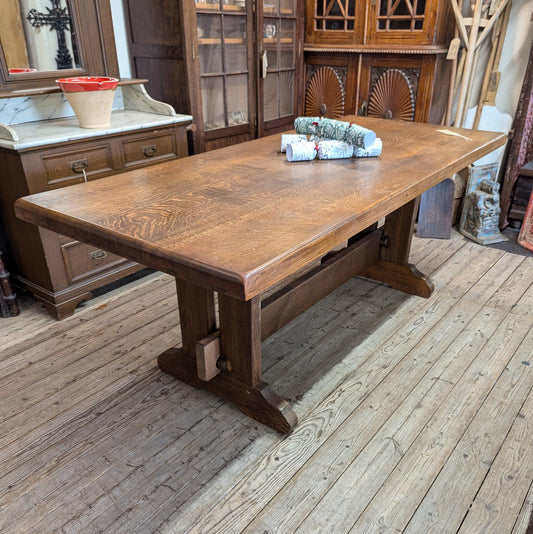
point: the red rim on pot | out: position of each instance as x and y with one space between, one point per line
87 83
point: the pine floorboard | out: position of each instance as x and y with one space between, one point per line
415 414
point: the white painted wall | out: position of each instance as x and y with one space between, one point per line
515 54
117 13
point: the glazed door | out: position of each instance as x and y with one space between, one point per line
402 22
335 22
224 38
280 53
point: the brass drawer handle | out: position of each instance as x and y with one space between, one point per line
149 150
97 254
79 166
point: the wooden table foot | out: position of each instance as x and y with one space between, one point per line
406 278
258 401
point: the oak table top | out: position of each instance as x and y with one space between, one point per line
244 217
241 219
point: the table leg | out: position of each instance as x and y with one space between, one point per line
393 267
240 348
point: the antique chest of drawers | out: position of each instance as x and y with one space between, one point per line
53 154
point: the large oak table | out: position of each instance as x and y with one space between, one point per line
240 220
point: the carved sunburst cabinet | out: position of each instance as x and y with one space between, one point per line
383 58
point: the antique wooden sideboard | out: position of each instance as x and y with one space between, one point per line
39 155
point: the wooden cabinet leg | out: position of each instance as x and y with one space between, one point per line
393 267
64 309
240 347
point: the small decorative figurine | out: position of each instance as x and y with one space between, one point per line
481 210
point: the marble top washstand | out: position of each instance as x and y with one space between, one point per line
32 121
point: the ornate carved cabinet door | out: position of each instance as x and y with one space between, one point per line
389 55
402 21
402 87
335 21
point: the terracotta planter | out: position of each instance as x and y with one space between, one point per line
91 98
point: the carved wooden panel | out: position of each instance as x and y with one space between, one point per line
393 93
324 94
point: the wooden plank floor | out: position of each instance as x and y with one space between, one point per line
415 415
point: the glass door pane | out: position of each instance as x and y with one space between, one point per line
209 33
405 15
235 54
335 15
279 95
237 96
213 102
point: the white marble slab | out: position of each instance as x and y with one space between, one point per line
46 132
135 97
22 109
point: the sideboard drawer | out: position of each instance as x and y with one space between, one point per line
149 149
83 261
65 168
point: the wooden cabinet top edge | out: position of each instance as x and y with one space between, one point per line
373 49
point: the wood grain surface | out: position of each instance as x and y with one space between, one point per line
240 219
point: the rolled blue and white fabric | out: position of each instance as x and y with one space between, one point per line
291 139
306 125
373 151
359 136
301 151
333 149
332 129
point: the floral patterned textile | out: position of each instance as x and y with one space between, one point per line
338 130
373 151
329 139
332 129
521 150
306 125
291 139
332 149
301 151
360 137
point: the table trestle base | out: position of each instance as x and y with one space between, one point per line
227 360
292 300
258 402
406 278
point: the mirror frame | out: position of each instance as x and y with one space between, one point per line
96 44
